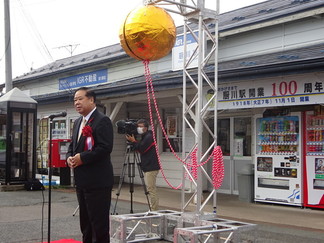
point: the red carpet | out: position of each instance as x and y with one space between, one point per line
65 241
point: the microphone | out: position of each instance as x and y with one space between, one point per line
61 114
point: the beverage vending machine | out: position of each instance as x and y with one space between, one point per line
314 160
278 169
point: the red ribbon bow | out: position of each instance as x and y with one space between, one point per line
87 132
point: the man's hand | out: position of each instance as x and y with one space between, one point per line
74 161
130 138
69 161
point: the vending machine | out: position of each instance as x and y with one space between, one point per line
278 169
314 160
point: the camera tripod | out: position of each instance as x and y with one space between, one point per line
131 174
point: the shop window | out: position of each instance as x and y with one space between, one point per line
241 142
3 130
242 136
172 128
59 129
71 123
223 136
42 149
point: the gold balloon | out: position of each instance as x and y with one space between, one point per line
148 33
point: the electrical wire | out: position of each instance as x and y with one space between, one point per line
20 46
5 51
36 33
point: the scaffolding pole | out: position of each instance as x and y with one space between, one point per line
199 114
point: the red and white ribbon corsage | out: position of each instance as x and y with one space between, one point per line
89 142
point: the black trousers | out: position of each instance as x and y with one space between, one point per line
94 205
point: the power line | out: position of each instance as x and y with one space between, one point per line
36 32
70 48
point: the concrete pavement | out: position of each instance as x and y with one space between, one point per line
23 215
229 206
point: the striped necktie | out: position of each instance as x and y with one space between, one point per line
84 121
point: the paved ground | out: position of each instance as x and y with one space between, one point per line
24 216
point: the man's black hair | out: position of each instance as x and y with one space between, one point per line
143 121
89 93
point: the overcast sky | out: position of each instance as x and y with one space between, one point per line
41 28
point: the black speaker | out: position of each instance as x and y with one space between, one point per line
34 185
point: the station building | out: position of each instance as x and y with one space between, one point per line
270 72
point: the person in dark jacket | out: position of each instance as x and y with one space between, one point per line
149 160
89 156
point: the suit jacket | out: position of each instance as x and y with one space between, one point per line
96 170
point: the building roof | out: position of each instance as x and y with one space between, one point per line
302 60
17 95
265 11
247 16
308 59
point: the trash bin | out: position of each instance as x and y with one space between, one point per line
246 183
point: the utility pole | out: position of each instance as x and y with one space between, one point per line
8 83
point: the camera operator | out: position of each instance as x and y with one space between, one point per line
149 160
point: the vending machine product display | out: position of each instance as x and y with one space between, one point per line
314 160
278 169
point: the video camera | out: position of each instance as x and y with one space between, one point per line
127 126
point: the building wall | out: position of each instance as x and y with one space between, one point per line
276 38
263 41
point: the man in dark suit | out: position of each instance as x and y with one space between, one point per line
89 156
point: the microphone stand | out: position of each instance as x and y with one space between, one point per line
51 117
50 181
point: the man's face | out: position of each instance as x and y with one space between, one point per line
142 126
83 105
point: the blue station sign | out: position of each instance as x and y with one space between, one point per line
84 79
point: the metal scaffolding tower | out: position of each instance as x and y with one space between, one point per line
199 118
202 24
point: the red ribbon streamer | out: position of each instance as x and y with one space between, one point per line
218 165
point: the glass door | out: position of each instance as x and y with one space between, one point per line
234 137
21 149
241 153
224 141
